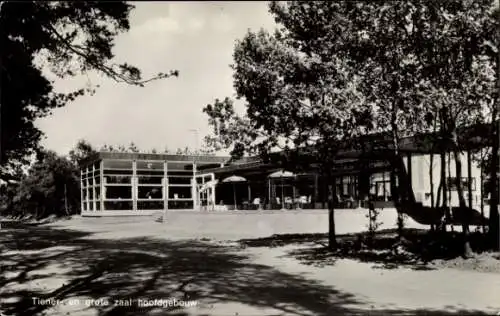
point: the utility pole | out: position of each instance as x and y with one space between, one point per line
194 188
197 139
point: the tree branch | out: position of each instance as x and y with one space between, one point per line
109 71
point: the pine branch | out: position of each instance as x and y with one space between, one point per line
107 70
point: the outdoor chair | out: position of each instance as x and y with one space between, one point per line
256 204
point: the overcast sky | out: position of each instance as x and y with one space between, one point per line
197 38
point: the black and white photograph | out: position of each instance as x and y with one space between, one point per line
249 158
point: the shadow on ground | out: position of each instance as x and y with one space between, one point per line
151 268
415 250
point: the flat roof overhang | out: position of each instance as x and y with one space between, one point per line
343 166
164 157
187 159
375 146
203 159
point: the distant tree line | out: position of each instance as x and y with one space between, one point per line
132 148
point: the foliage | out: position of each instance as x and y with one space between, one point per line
299 95
382 66
334 70
131 148
82 151
294 100
188 151
69 39
228 128
50 188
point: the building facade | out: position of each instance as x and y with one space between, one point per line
134 183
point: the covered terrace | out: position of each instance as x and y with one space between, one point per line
363 169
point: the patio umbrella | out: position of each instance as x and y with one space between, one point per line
234 179
281 174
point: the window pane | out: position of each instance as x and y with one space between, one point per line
180 173
118 179
180 205
179 180
388 189
179 193
118 192
118 164
188 166
150 173
118 205
118 172
380 189
150 165
150 180
150 205
150 192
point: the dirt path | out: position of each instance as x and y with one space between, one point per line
67 269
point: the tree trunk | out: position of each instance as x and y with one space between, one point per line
448 209
494 231
431 179
461 199
493 220
332 241
482 192
444 190
469 179
434 205
438 194
396 194
66 200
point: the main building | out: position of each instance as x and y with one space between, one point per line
136 183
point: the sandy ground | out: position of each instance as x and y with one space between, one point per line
236 225
87 262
